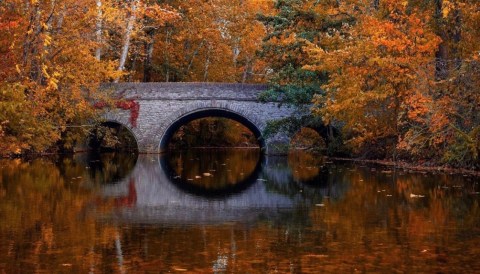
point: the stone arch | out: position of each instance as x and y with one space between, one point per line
114 121
208 109
327 132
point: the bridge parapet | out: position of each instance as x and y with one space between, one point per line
187 91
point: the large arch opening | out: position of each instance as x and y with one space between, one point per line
212 152
213 132
221 115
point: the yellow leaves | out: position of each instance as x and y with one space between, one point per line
44 71
47 40
447 7
44 26
53 83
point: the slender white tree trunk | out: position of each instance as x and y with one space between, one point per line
207 64
98 32
126 39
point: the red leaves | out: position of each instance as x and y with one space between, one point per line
134 108
128 104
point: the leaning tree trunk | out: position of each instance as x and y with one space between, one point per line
126 39
98 31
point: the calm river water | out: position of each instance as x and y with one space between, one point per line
233 211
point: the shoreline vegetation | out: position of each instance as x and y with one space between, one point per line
418 167
404 165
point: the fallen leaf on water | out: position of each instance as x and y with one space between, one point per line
316 255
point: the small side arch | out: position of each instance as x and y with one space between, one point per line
112 123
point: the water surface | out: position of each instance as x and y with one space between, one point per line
233 211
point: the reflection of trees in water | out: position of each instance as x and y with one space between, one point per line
213 132
105 168
45 227
306 166
415 217
42 211
213 169
281 176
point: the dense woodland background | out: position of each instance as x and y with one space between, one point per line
399 79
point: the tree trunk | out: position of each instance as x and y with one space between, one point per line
441 55
457 36
98 32
166 56
147 68
247 71
195 53
133 68
126 39
207 64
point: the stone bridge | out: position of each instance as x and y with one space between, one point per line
165 107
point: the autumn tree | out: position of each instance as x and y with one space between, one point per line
379 71
44 90
212 41
402 79
451 132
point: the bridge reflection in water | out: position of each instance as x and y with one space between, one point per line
208 187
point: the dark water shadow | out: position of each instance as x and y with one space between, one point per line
221 189
110 168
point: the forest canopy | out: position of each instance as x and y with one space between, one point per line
398 79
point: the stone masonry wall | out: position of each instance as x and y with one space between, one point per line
161 104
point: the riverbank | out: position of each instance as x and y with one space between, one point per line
411 166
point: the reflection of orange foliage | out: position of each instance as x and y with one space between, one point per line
308 138
305 166
375 226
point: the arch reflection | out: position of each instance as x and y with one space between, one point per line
213 172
